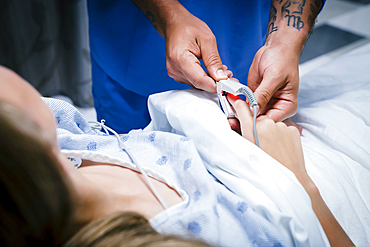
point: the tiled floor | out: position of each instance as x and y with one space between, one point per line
341 26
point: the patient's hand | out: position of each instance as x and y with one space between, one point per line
283 143
289 122
280 141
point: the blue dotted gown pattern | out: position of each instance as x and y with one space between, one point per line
209 210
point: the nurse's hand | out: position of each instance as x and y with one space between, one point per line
274 78
188 39
273 75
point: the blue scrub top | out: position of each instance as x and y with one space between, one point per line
129 57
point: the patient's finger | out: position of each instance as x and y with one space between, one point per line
235 125
244 115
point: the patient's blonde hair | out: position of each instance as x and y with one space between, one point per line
35 207
126 229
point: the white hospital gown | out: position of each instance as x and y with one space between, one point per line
209 210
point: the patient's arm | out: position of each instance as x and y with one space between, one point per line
283 143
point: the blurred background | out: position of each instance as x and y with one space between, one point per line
341 26
46 42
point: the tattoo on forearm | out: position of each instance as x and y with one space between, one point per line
150 17
292 11
300 6
272 19
296 13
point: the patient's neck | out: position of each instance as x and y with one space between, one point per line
103 189
92 201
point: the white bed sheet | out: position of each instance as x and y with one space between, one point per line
334 112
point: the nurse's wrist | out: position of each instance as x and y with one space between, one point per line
160 13
174 16
292 39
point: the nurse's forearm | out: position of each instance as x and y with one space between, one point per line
161 13
291 21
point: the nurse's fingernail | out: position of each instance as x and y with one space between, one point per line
221 74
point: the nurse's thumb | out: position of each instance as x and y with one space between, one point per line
263 94
217 72
213 63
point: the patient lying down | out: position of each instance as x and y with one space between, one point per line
106 202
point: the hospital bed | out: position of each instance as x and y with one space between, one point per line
334 111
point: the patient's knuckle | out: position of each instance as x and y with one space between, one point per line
266 124
281 125
239 103
269 121
293 130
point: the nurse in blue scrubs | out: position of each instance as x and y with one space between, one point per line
142 47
